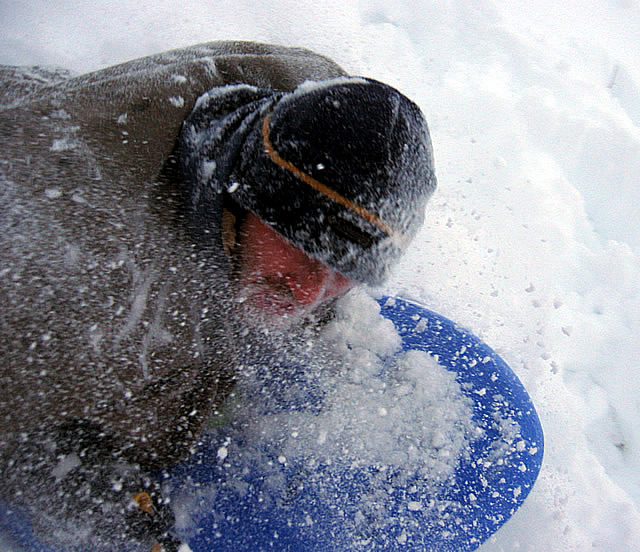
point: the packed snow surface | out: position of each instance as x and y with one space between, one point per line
533 237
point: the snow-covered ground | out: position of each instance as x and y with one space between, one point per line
533 237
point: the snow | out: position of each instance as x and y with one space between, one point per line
409 413
532 239
358 403
377 414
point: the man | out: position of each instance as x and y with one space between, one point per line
156 216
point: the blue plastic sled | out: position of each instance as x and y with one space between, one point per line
298 508
303 509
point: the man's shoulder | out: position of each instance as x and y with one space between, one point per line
227 62
17 83
234 62
216 63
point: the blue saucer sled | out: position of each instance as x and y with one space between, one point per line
301 507
312 509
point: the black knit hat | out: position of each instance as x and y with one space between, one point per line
342 168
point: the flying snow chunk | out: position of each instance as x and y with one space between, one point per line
62 144
223 452
176 101
53 193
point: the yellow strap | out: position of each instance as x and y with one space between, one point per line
322 188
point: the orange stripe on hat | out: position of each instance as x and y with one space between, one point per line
322 188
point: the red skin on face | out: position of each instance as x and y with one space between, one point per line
278 278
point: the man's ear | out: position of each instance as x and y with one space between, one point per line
229 232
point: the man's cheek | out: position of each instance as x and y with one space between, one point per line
339 284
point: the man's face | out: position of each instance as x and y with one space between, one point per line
279 280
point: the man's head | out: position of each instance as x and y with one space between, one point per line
339 170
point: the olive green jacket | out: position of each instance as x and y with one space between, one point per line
109 312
